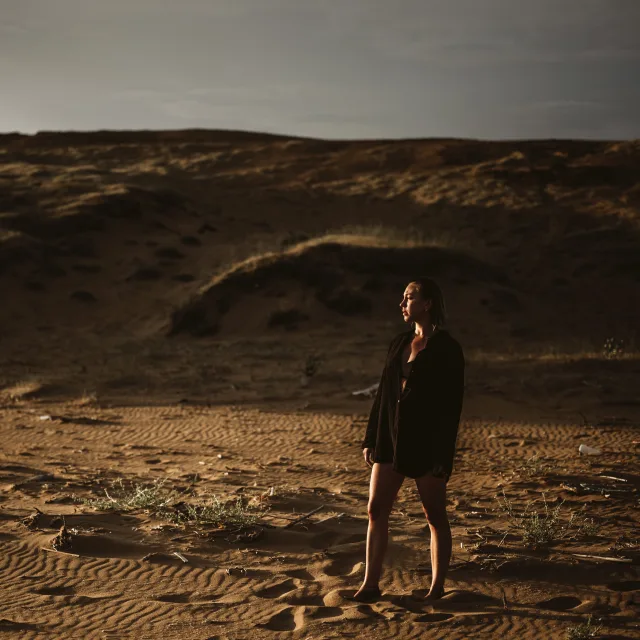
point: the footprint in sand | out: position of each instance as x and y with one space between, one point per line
102 595
468 597
592 606
344 567
277 590
178 598
324 612
455 600
560 603
336 598
329 539
184 598
67 596
300 598
12 625
434 617
285 620
325 539
300 574
624 585
55 591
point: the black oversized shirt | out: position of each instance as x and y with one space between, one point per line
416 429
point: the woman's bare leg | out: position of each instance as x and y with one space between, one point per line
432 492
383 489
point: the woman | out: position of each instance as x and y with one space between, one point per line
412 430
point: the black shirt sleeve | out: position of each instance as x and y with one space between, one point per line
374 415
449 405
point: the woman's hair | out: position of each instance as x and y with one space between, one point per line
429 290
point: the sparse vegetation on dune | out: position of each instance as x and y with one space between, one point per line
337 269
546 526
535 466
376 235
266 252
122 496
161 500
584 630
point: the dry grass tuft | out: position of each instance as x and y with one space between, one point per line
166 503
122 496
264 253
535 466
88 399
584 630
541 528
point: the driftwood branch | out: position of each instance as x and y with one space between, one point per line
590 557
331 517
303 517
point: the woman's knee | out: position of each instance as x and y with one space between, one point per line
378 510
436 516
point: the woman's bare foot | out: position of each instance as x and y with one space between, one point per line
434 594
367 594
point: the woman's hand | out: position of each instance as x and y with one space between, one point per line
368 455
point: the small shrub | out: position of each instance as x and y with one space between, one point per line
584 630
214 512
88 399
539 529
534 466
166 503
122 496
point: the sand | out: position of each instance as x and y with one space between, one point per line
295 579
164 294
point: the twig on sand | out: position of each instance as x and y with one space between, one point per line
179 555
331 517
303 517
590 557
64 553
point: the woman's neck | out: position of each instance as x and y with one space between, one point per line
425 330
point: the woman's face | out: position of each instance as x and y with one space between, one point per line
414 307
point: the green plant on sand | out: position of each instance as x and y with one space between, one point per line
542 528
166 503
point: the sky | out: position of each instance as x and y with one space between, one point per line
484 69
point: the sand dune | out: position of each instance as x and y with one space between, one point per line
344 275
165 294
108 236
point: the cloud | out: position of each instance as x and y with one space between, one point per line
329 68
576 119
468 33
564 104
135 95
12 29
